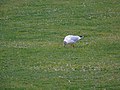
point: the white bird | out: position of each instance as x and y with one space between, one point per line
71 39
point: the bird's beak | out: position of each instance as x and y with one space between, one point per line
82 36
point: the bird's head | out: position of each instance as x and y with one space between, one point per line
81 37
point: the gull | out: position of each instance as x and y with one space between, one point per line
71 39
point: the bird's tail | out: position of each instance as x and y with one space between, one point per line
64 43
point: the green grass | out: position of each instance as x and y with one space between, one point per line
32 56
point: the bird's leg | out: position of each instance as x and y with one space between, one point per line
72 45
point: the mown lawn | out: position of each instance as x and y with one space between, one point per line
32 56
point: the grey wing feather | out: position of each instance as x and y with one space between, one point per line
74 38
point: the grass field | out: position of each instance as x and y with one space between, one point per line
32 56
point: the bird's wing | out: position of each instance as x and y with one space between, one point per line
75 38
68 39
71 39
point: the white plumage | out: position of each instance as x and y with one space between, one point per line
71 39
